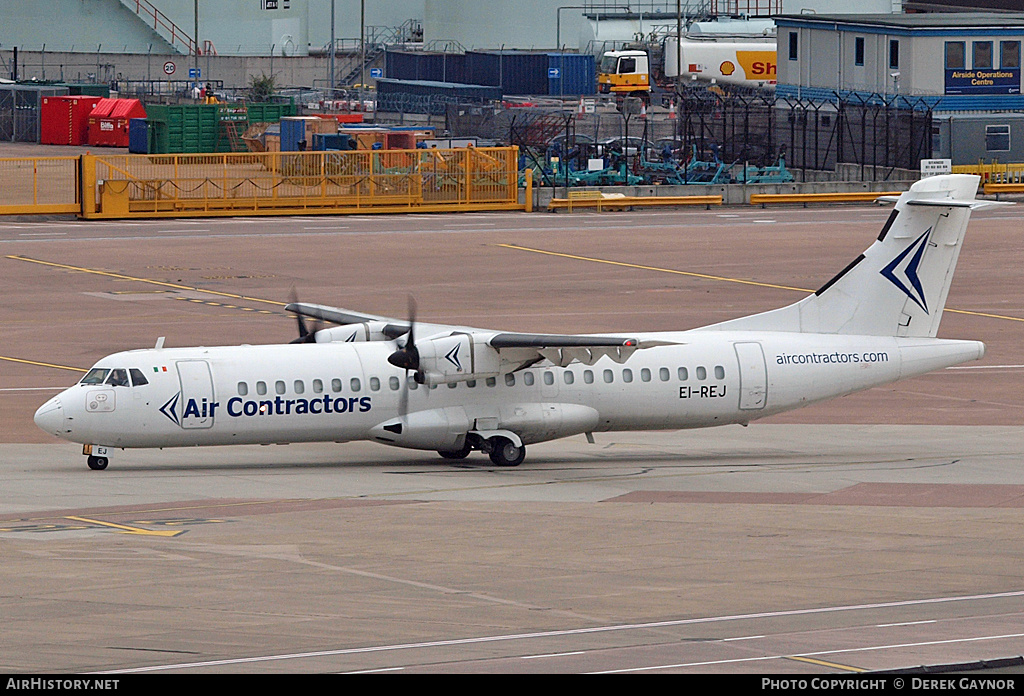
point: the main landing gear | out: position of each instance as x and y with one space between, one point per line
502 450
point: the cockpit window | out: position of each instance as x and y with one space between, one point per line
138 378
118 377
95 376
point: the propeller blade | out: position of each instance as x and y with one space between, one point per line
306 335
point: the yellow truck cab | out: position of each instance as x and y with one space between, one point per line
627 73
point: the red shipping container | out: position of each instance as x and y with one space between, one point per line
108 122
65 120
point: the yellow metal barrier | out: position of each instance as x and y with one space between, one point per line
39 185
993 173
764 199
596 198
280 183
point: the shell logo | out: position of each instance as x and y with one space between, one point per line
727 68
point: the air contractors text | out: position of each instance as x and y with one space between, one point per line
831 358
279 406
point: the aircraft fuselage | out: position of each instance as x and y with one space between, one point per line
348 391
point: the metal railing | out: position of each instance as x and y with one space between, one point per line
300 182
39 185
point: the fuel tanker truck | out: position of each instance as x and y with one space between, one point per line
643 69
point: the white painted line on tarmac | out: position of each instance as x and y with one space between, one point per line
605 629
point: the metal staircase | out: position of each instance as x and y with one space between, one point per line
162 25
377 41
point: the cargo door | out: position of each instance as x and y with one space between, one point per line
753 376
196 394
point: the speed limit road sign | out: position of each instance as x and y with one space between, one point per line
169 67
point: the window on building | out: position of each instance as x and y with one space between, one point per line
792 45
894 54
858 50
982 55
997 138
1009 55
955 55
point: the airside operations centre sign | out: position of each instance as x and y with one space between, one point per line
991 81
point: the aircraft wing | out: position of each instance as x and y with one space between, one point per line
522 349
563 349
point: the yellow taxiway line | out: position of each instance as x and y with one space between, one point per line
724 279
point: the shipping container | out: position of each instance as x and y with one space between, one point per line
87 89
420 65
20 107
138 136
108 121
297 131
65 120
200 127
533 73
333 141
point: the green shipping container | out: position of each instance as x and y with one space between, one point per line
198 128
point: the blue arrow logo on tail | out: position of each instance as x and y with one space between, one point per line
912 254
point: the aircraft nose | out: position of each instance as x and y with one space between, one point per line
50 416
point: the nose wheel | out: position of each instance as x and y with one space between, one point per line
98 463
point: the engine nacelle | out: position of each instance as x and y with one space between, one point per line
441 429
350 333
458 357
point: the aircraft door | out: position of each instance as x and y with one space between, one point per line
196 394
753 376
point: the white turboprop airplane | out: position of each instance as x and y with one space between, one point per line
455 389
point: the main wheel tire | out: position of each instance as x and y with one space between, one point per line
507 453
98 463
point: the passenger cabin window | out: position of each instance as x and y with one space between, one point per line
510 380
627 375
394 383
528 379
609 376
300 386
549 377
664 374
318 386
243 389
569 377
261 388
702 373
279 387
355 384
588 376
138 379
336 385
719 372
374 384
645 375
683 374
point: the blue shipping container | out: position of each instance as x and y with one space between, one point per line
292 131
138 136
571 74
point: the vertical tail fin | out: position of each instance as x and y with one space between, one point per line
898 286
